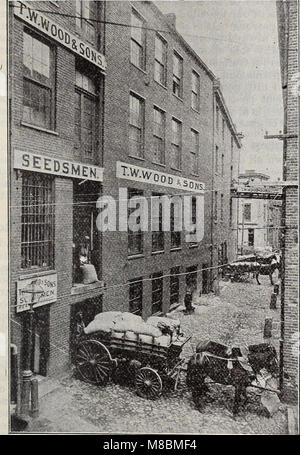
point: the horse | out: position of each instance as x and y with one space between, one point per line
268 267
229 367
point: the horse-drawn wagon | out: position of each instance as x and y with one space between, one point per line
149 353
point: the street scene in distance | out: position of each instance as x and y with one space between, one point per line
153 217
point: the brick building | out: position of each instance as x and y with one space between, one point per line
149 118
288 34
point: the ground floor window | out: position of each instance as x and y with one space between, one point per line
86 238
135 238
250 237
157 292
136 296
191 277
174 285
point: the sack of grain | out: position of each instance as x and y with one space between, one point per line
103 322
163 340
173 324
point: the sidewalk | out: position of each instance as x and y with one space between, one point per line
58 412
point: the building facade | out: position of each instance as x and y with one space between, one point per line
121 111
288 34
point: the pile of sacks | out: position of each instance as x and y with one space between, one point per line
128 326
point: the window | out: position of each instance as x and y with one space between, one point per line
177 75
250 237
216 206
247 212
158 237
194 152
222 164
38 83
175 216
135 239
223 128
217 117
86 15
37 223
194 219
174 285
160 61
217 159
222 207
136 296
157 292
195 101
85 116
230 212
136 126
176 144
138 41
159 135
86 237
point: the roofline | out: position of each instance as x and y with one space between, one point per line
254 174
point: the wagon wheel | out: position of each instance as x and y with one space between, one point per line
93 362
148 383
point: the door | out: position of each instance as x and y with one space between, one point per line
41 341
205 278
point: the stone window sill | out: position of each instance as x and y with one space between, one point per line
39 128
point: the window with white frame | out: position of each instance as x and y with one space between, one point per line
194 152
86 16
138 41
159 135
176 144
160 60
177 75
38 82
195 94
85 115
136 126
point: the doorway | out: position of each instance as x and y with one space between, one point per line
205 279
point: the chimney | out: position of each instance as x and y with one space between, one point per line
171 19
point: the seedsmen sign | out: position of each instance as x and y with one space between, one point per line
44 24
27 161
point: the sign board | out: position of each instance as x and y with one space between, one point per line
47 282
55 31
28 161
141 174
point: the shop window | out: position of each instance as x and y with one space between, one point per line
157 292
37 224
159 135
86 16
177 75
38 82
158 237
138 41
136 126
175 219
250 237
176 144
194 219
160 61
247 212
85 130
86 238
174 285
136 296
135 239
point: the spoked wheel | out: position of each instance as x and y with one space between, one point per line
93 362
148 383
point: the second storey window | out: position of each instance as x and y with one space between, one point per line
222 164
176 144
159 135
138 41
85 116
177 75
222 207
195 101
37 224
136 126
86 16
194 152
38 82
160 64
216 206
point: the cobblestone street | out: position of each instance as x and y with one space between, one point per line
234 318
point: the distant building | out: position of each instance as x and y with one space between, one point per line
258 219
